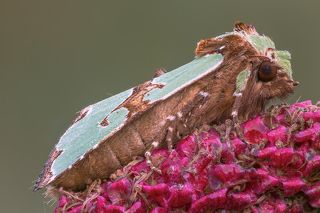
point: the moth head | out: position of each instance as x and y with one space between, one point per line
269 73
271 77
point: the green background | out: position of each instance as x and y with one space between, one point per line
58 56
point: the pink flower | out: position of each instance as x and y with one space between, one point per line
269 169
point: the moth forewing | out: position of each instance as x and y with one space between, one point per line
101 122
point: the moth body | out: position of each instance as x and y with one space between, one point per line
233 74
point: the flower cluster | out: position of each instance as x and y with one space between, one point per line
272 164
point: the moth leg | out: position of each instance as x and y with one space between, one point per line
203 128
234 114
228 125
181 130
168 139
147 154
177 128
236 124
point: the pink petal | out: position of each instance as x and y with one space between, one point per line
315 203
180 195
292 186
211 142
159 193
200 164
313 166
75 209
140 167
137 207
240 200
287 158
273 206
171 170
114 209
255 130
278 134
262 185
308 134
225 172
313 191
314 116
187 146
266 152
63 200
159 210
198 180
101 205
212 201
119 191
227 155
239 146
302 104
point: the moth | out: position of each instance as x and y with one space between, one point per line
232 76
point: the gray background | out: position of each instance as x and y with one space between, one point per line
59 56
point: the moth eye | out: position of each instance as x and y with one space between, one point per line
267 71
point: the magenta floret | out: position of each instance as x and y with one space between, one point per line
180 195
137 207
267 152
255 131
118 192
239 147
292 186
241 200
159 210
225 173
75 209
158 193
187 146
313 116
211 201
278 134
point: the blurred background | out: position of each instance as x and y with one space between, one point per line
57 57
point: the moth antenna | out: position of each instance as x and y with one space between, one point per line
236 107
298 99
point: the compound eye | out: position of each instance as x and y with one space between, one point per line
267 71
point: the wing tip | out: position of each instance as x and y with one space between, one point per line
46 176
42 181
